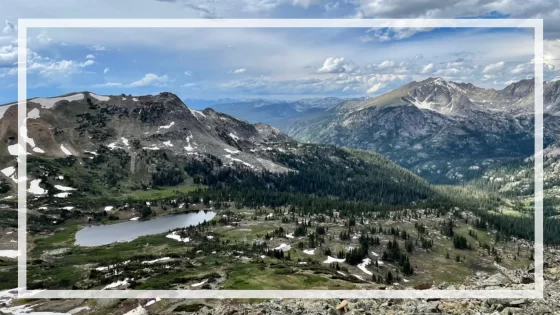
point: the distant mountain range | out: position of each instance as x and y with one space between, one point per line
281 114
444 131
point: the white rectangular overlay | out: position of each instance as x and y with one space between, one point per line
536 24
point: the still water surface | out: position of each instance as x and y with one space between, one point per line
97 235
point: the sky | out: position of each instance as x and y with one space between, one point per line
270 63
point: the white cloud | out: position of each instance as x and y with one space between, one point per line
386 64
109 84
87 63
264 6
54 69
494 67
188 73
90 56
331 6
43 38
376 87
337 65
188 85
522 68
552 53
150 79
238 71
98 48
105 70
427 68
8 56
9 28
393 33
545 9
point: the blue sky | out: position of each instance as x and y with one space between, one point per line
268 63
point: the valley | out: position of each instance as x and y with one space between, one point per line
143 192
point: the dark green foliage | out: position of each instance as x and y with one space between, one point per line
460 242
167 176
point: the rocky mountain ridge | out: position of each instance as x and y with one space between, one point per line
446 132
86 125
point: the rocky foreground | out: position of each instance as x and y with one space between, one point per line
505 279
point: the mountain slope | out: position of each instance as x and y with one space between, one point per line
84 145
444 131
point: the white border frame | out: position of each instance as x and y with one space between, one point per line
536 24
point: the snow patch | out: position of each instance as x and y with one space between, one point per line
63 188
134 219
359 277
199 284
232 151
197 113
38 150
78 309
66 151
238 160
33 114
189 147
177 237
153 148
166 126
9 253
363 265
332 259
233 136
4 109
101 98
139 310
135 99
50 102
35 189
116 284
156 260
283 247
309 251
10 172
13 149
62 195
168 143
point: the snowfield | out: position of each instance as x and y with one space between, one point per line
9 253
101 98
199 284
332 259
35 189
63 188
50 102
166 126
283 247
33 114
177 237
66 151
362 266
